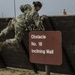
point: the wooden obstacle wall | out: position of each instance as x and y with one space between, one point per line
18 59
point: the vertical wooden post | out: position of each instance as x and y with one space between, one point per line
47 69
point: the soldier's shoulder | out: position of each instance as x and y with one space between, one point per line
27 5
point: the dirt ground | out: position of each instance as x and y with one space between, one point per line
23 72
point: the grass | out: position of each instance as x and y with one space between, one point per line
23 72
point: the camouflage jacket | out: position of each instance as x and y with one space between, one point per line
21 22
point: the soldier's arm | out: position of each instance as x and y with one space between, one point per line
38 21
9 27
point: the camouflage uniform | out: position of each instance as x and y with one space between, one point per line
20 24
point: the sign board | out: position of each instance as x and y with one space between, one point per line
45 47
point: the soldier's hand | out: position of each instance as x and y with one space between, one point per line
44 16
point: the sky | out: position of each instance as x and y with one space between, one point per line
50 7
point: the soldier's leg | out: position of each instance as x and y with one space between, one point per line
10 43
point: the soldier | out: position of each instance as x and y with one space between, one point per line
20 23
